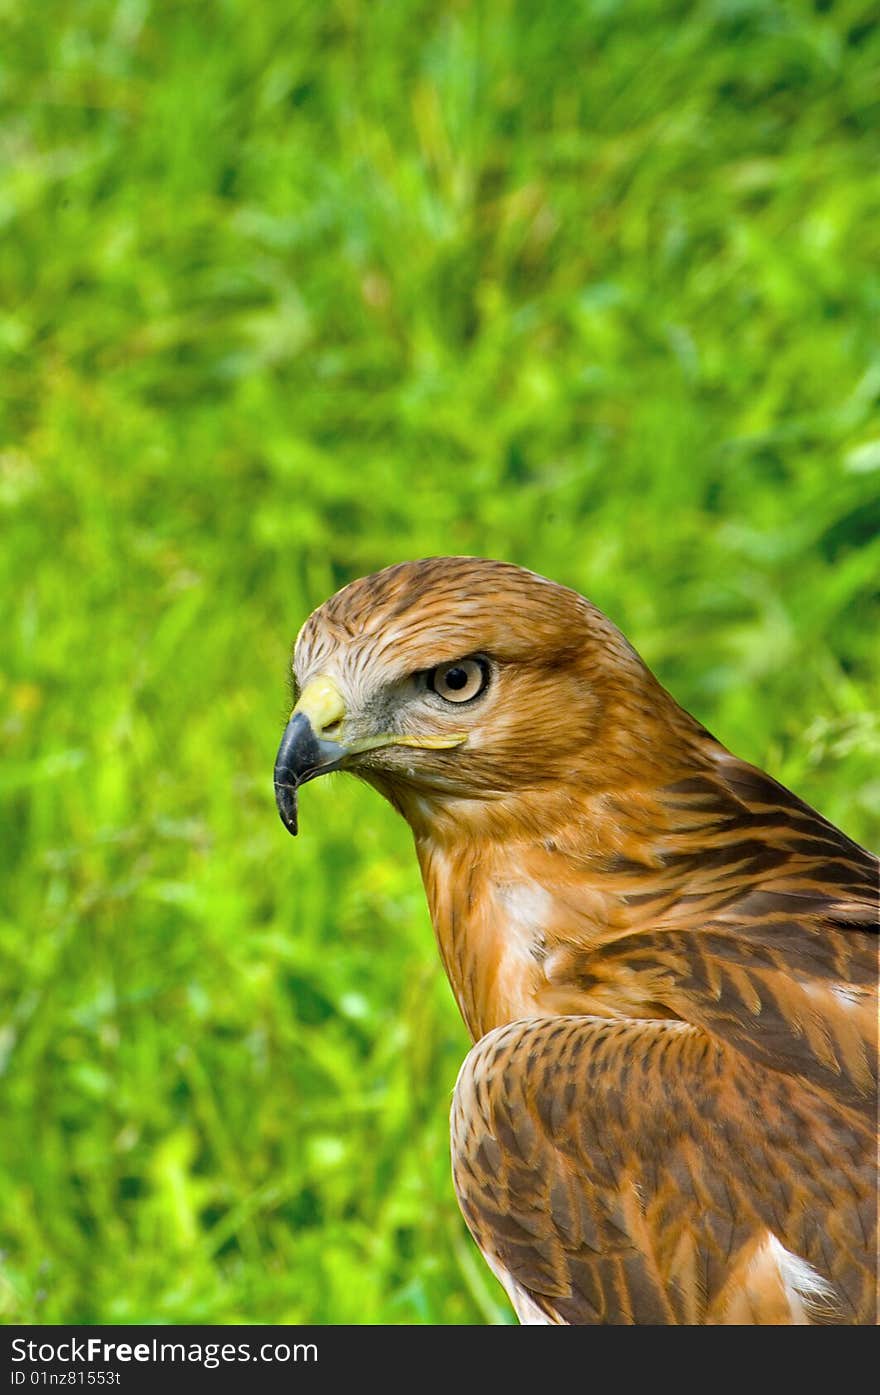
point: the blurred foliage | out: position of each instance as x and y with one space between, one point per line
288 292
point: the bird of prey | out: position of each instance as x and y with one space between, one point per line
667 961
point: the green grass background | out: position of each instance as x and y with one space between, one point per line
289 292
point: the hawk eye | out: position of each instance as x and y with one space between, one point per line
460 681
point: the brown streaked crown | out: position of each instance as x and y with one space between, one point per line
436 609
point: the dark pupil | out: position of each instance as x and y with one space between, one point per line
456 678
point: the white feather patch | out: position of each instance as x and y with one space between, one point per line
808 1292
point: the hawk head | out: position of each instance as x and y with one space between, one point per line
458 679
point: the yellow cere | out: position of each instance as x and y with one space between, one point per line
320 701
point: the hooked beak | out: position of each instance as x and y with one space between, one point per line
306 750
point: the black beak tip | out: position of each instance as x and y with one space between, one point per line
285 798
298 756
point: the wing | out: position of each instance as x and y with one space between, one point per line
640 1172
